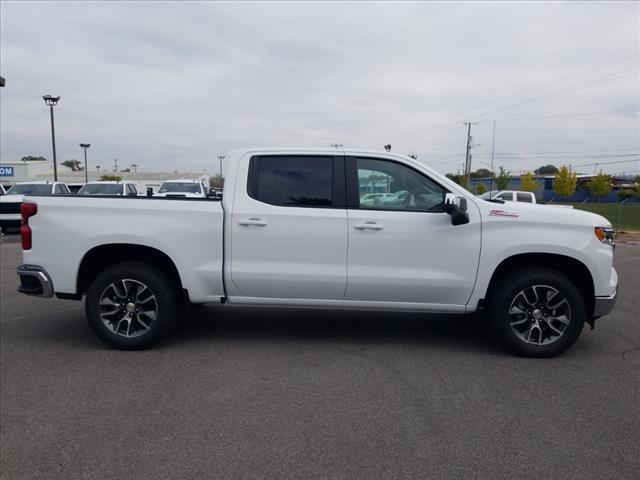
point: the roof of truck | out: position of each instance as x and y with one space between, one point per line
106 182
37 182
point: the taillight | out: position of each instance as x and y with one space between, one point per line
27 210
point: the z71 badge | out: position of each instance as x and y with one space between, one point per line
502 213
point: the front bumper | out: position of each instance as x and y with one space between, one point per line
604 305
34 280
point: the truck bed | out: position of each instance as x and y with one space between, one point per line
188 231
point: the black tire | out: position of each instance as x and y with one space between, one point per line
165 303
507 296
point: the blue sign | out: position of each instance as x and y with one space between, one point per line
6 171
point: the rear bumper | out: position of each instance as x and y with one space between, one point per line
604 305
35 281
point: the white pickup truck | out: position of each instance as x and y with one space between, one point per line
291 230
512 196
11 200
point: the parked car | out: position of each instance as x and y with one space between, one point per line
509 196
182 188
395 199
370 198
291 231
516 196
10 202
109 188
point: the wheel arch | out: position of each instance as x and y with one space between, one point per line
103 256
574 269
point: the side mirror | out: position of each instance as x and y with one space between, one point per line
149 191
450 203
457 208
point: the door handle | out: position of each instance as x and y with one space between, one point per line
368 226
253 222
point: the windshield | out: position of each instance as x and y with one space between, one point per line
488 195
179 187
30 189
101 189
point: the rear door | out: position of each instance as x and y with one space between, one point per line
289 228
406 249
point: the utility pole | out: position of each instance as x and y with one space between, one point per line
493 146
467 163
221 157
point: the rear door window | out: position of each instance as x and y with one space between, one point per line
523 197
294 181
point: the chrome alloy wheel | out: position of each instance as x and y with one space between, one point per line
539 315
128 307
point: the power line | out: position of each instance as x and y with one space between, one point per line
552 157
605 163
600 67
603 79
585 114
565 136
575 87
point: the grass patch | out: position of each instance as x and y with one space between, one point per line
622 217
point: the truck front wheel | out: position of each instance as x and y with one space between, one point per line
131 305
536 312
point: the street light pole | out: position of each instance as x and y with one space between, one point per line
86 170
221 157
52 101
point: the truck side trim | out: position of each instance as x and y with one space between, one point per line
348 304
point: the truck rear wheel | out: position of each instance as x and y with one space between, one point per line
131 305
536 312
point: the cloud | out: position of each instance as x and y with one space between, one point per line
171 85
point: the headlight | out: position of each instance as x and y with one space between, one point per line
606 235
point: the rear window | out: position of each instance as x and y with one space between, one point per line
30 189
523 197
179 187
300 181
101 189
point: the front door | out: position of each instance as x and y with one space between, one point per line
402 246
289 228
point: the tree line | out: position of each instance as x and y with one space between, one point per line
564 183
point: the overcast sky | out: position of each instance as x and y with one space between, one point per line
172 85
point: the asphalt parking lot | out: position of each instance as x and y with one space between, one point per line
276 393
